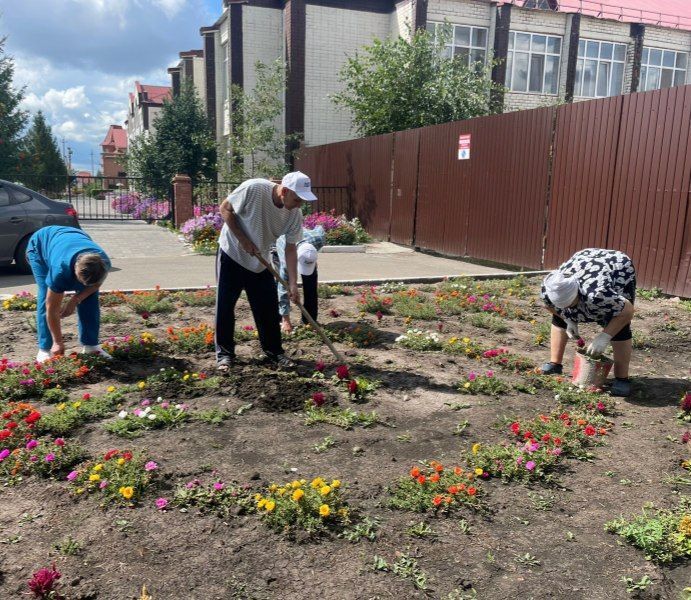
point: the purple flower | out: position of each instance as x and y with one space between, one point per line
146 402
4 454
192 484
31 444
103 484
150 466
33 458
219 485
519 461
161 503
50 457
530 465
72 476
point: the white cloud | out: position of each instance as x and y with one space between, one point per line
170 7
54 101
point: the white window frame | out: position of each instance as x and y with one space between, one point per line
450 48
511 63
580 68
646 66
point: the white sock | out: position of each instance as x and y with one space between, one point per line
96 350
42 356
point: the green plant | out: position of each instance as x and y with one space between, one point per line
413 305
55 396
366 528
542 332
421 530
340 417
527 559
205 297
371 302
69 546
641 341
541 502
487 384
405 567
651 294
160 415
633 587
327 443
663 534
113 317
463 346
221 498
421 341
192 340
488 321
43 456
461 427
213 416
130 347
68 416
330 290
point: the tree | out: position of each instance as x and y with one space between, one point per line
12 119
182 143
257 146
401 84
43 168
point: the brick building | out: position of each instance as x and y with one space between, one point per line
191 68
548 51
144 104
113 147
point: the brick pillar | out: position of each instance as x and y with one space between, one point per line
182 198
638 36
500 54
572 60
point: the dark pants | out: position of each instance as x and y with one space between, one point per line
232 279
310 297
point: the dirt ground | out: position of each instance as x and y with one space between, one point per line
185 555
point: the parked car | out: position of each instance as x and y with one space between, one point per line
23 211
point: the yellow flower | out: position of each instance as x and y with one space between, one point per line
110 389
270 505
466 340
281 491
532 322
273 487
98 467
324 510
258 496
453 340
685 526
317 483
466 385
141 385
76 404
325 491
478 471
297 494
261 503
121 461
336 483
476 448
61 406
126 491
185 377
343 512
79 491
296 484
468 350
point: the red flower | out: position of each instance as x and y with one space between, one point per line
379 314
33 417
343 372
434 478
546 438
86 396
472 491
527 435
453 489
437 500
421 479
516 427
589 430
334 313
127 455
686 402
110 454
352 386
557 441
4 433
415 472
145 315
11 425
43 583
320 366
318 398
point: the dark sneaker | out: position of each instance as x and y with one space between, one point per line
278 360
225 363
621 387
551 368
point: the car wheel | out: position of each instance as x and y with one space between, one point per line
23 265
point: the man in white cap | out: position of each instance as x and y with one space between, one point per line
256 214
599 286
312 241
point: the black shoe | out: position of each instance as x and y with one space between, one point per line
225 363
277 360
621 388
551 368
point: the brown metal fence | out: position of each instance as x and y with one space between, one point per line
539 184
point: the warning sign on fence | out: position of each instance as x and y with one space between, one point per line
464 146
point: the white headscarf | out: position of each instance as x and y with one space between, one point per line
561 290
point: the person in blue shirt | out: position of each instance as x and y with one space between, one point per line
66 259
312 241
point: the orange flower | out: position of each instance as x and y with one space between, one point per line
602 431
472 491
582 422
437 500
438 468
461 487
421 480
544 419
434 478
448 499
453 489
414 472
458 470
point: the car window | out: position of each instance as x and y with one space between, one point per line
20 196
4 196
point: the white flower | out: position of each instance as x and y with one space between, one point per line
159 399
151 417
122 414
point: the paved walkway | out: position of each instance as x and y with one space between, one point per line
145 256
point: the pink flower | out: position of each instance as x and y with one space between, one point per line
320 366
556 451
72 476
150 466
165 404
59 442
472 376
580 342
192 484
684 438
50 457
219 485
489 373
686 402
601 407
31 444
530 465
379 314
318 398
33 458
161 503
4 454
519 461
103 484
43 583
472 299
343 372
146 402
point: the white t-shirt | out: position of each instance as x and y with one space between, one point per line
261 220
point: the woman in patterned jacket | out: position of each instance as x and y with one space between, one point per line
593 286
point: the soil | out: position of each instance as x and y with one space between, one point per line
185 555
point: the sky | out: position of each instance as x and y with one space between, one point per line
79 59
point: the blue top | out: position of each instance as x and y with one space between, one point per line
59 247
316 237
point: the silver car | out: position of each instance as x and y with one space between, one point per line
23 211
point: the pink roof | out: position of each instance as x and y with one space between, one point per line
666 13
154 93
117 137
83 174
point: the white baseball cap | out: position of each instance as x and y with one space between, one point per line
300 184
307 258
561 290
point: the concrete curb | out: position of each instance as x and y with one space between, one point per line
430 279
343 249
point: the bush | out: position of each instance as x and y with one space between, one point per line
202 230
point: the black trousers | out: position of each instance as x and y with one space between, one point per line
232 278
310 297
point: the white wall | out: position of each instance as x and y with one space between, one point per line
463 12
402 20
332 35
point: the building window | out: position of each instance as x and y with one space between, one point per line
600 69
662 69
466 43
533 63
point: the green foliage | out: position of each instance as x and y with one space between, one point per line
663 534
205 297
213 416
340 417
651 294
223 499
329 290
182 143
257 145
157 416
55 396
366 528
487 384
488 321
398 84
69 416
324 445
413 305
69 546
12 119
422 341
405 567
43 158
633 587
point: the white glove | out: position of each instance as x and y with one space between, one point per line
599 344
572 329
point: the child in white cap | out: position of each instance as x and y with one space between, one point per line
593 286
